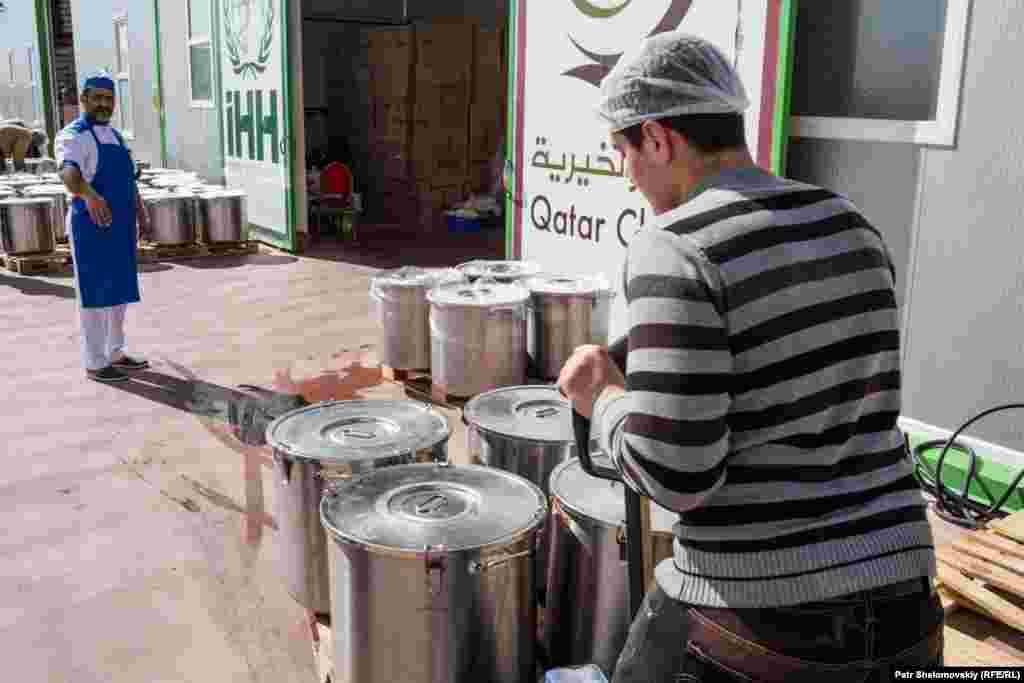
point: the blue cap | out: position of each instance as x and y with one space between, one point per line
100 79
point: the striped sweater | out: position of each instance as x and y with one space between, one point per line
763 389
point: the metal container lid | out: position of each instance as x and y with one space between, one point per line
533 413
433 508
210 192
599 499
500 270
346 431
568 284
478 294
47 190
411 276
166 197
26 201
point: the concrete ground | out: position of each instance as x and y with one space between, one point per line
137 524
137 532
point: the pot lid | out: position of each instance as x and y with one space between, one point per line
568 284
26 201
209 192
480 293
346 431
47 189
412 507
534 413
599 499
411 276
503 270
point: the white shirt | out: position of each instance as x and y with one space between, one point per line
80 148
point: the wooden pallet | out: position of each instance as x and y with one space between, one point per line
149 252
424 388
35 264
232 248
984 560
401 376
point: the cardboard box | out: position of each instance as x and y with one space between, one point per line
487 125
440 155
391 119
443 104
444 50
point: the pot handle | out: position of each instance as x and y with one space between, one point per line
477 566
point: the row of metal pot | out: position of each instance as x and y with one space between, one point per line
431 571
182 210
483 324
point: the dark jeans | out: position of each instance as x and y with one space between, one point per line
857 638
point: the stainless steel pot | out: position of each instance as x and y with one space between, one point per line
477 337
566 312
171 218
501 271
58 196
433 570
399 299
587 618
333 441
221 216
25 226
524 430
40 166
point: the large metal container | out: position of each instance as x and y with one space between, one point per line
20 181
501 271
60 200
399 299
173 180
333 441
40 166
25 226
587 619
171 218
477 336
433 572
221 216
566 312
524 430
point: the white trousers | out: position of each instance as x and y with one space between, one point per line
102 329
102 335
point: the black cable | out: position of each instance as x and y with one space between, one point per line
957 507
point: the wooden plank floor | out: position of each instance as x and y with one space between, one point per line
137 543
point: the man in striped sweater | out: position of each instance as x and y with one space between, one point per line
760 402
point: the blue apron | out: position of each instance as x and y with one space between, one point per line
106 265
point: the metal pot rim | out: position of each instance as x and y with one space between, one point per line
518 439
347 538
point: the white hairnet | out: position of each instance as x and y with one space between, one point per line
670 74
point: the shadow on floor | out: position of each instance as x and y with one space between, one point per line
238 418
381 246
225 262
69 272
31 286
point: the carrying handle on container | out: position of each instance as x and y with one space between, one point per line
477 566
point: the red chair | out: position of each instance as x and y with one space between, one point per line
335 196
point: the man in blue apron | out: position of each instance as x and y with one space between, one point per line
98 170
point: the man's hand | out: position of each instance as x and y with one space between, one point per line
99 210
587 373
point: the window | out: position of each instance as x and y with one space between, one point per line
122 77
200 53
30 50
10 67
878 70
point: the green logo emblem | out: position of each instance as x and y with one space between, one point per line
248 35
